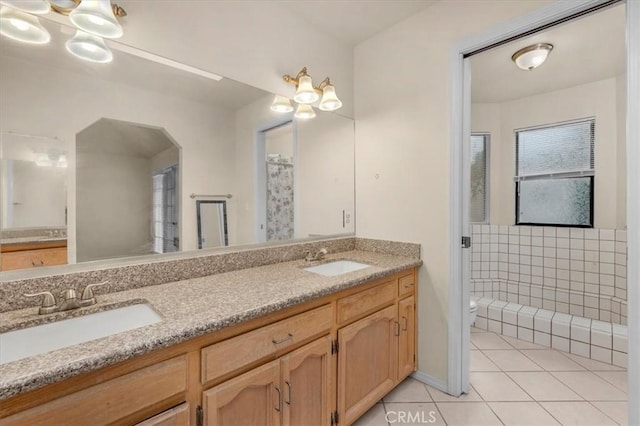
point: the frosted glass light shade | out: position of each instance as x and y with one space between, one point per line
304 112
330 101
89 47
96 17
37 7
531 57
281 104
22 27
305 93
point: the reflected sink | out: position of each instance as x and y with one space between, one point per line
26 342
337 267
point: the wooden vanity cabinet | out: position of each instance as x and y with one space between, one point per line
366 362
324 362
33 255
292 390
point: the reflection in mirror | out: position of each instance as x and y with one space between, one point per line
212 223
126 177
143 135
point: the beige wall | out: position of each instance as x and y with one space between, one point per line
251 41
402 81
205 133
597 99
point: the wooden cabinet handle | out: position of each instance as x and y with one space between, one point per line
40 263
288 400
397 328
284 339
279 406
405 323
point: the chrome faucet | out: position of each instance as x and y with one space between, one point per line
70 300
318 256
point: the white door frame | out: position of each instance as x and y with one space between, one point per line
458 327
260 175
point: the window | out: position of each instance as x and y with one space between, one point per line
554 174
479 191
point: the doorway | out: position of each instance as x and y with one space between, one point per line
462 128
275 183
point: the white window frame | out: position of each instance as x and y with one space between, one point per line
556 175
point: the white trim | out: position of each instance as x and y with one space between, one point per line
430 380
458 335
633 207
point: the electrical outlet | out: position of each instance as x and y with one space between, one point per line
347 217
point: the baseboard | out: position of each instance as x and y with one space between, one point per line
430 380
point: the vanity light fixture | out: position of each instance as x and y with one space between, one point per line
89 48
330 101
306 94
37 7
21 26
531 57
93 18
96 17
281 104
304 112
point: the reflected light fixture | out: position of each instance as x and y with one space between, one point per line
531 57
89 48
281 104
96 17
37 7
21 26
304 112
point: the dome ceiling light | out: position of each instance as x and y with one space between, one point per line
531 57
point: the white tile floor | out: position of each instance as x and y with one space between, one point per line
513 383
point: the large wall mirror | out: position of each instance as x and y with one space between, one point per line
117 160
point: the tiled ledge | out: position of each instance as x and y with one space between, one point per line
589 338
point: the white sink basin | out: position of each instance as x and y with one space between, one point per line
337 267
22 343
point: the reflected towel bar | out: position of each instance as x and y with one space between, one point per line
210 196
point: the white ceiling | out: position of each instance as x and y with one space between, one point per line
585 50
353 21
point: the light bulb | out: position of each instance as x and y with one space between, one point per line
22 27
305 94
281 104
330 101
96 17
305 112
89 48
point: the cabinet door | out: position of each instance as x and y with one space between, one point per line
367 362
407 338
254 398
307 385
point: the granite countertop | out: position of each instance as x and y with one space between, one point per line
189 308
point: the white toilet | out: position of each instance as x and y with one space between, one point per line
473 310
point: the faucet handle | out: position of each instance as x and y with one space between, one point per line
88 298
48 302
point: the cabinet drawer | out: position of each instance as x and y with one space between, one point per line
34 258
366 302
406 285
176 416
112 400
233 354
